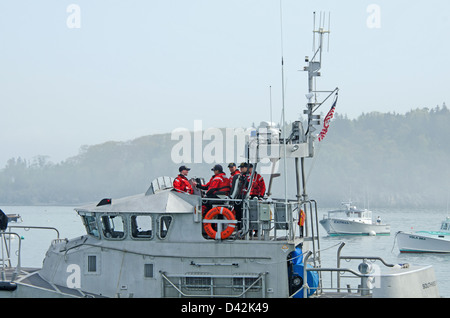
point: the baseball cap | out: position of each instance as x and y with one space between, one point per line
217 167
184 168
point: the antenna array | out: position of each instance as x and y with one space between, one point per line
313 69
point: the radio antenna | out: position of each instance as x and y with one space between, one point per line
283 110
329 30
270 103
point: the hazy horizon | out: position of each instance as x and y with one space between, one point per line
83 73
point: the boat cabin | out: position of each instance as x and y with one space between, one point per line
445 225
351 213
162 212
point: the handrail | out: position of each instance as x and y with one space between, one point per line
4 245
26 228
338 269
245 221
153 254
374 258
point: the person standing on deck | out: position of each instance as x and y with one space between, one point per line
258 184
219 184
233 172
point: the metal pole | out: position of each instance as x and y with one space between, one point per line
305 280
338 277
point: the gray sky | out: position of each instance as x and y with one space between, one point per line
134 68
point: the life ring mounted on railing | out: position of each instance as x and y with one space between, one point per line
219 210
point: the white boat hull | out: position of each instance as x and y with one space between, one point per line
347 227
423 242
412 282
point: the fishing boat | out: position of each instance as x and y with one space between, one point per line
425 241
353 221
161 244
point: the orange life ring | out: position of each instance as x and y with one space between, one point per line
213 213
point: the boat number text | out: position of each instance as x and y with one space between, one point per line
343 222
416 237
429 285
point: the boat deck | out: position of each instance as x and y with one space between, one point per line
30 277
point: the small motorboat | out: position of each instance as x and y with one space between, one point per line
425 241
353 221
14 218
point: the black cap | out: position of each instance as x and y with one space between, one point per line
243 164
184 168
251 165
231 164
217 167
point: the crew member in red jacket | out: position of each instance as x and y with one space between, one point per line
258 184
218 184
181 182
233 172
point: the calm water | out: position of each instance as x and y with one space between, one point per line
35 242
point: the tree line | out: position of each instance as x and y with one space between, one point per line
385 159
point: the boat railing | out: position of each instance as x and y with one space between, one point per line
269 219
6 264
27 228
9 239
366 275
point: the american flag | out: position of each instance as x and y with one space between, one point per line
326 122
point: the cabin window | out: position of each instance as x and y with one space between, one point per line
91 226
113 227
141 226
164 225
444 226
92 263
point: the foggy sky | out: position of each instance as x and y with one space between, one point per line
134 68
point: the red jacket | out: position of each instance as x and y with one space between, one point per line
218 183
236 172
181 184
258 185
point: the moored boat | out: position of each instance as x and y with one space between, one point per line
425 241
353 221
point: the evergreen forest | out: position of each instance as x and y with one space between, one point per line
381 159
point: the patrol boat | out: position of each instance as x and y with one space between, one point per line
353 221
159 243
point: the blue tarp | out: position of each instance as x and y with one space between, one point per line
298 267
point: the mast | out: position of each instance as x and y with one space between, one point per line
273 144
